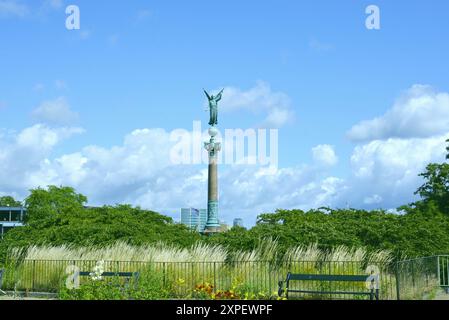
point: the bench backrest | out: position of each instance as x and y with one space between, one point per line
113 274
372 279
327 277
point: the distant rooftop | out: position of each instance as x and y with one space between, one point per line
12 208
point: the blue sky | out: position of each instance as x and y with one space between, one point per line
141 65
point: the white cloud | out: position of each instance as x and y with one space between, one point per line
23 155
295 187
325 155
13 8
384 173
420 112
55 4
260 100
139 171
121 172
389 170
55 112
374 199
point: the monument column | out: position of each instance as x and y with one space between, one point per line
213 224
212 147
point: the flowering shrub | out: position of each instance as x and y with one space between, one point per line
238 291
97 273
203 291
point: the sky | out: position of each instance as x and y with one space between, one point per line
359 112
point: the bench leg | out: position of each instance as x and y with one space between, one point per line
281 288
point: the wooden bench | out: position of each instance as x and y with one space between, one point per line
373 293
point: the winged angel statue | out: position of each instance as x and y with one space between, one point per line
213 107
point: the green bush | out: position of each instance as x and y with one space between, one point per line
106 289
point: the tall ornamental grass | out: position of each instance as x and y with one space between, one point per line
185 272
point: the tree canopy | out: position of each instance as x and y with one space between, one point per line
57 216
436 187
9 201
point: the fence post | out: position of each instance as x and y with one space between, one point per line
446 277
398 296
440 283
269 280
34 275
193 275
445 271
163 273
215 276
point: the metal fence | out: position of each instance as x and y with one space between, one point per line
188 280
423 278
443 272
416 279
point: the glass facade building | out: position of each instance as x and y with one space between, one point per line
10 218
195 219
238 222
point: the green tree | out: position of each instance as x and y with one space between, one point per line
9 202
58 216
48 203
436 186
447 149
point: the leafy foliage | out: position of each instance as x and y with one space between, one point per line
421 232
435 190
9 202
148 287
436 187
51 203
57 216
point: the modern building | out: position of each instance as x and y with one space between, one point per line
238 222
11 217
195 219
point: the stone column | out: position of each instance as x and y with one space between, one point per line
213 224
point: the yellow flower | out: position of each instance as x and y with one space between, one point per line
281 298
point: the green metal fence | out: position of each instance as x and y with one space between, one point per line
246 279
423 278
415 279
443 272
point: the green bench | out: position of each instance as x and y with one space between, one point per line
373 293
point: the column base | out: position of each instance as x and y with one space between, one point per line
211 230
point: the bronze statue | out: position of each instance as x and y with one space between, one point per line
213 107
